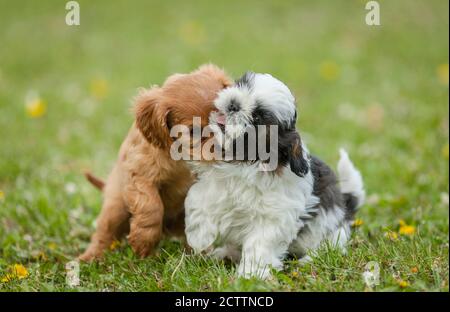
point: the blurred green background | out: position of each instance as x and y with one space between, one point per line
379 91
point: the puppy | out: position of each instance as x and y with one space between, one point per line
144 194
237 209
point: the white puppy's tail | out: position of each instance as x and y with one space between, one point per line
351 184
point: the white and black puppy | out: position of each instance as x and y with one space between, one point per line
239 211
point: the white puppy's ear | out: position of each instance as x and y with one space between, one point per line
291 152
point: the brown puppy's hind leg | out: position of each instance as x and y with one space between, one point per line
147 212
112 223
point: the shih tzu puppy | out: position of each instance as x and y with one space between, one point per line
250 211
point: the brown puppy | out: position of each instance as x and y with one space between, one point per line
144 194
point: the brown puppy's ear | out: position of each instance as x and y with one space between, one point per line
151 117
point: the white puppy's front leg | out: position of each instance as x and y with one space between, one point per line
201 232
263 249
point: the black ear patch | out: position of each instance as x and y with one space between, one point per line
247 80
291 152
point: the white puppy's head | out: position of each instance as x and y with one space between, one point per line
260 102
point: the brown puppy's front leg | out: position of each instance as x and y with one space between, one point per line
147 211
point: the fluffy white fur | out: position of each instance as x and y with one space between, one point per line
350 178
235 210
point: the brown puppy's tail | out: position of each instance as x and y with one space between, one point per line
97 182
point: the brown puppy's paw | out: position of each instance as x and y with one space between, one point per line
95 251
141 242
89 256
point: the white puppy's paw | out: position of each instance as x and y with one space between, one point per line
227 252
246 270
305 260
200 239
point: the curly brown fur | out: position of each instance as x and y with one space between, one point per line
144 194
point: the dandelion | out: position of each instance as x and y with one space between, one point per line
2 196
99 88
114 245
51 246
403 284
357 223
7 278
20 271
406 229
444 151
393 236
17 271
442 74
329 70
295 274
35 108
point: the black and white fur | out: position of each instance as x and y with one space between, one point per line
238 211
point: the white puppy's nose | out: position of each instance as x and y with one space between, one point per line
234 106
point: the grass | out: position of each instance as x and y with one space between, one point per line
382 92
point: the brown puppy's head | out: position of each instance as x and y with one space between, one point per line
181 98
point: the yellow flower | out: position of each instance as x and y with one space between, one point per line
51 246
414 270
18 271
2 195
391 235
114 245
442 73
357 222
445 151
7 278
295 274
403 284
193 33
36 108
406 229
329 70
99 88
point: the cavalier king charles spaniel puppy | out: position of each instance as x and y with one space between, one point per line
240 210
145 192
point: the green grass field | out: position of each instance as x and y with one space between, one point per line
382 92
